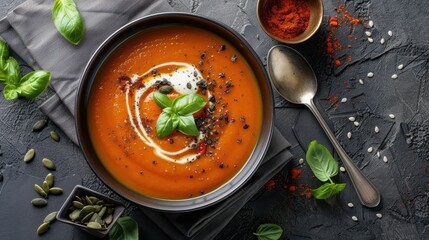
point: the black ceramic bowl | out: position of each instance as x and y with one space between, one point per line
119 37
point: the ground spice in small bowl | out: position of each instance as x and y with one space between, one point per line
287 19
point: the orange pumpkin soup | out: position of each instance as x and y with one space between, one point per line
175 60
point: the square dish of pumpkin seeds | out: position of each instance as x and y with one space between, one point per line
91 211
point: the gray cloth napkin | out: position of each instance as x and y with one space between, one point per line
29 31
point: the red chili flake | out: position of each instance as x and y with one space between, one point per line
202 148
292 188
270 185
295 173
337 63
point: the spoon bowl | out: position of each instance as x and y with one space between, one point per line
295 80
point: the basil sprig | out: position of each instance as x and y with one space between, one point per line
178 113
68 20
29 86
324 167
125 228
268 231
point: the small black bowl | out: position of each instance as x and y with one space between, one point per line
63 213
139 26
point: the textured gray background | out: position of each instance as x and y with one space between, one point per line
403 181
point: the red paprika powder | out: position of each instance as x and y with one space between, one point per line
287 19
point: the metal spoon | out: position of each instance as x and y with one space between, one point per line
295 80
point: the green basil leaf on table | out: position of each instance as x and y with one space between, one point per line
125 228
268 231
321 162
187 125
12 71
162 100
4 56
68 20
166 124
327 190
34 83
10 92
188 104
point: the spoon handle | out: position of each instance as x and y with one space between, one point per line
368 194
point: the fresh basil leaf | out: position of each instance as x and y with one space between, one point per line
187 125
188 104
10 92
68 20
268 231
34 83
321 162
162 100
125 228
12 71
4 54
168 110
327 190
166 124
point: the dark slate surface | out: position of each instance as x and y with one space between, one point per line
403 181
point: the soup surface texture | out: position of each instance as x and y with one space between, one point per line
176 60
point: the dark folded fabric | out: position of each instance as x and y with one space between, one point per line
29 31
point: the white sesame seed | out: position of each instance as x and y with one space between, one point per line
349 135
382 41
400 66
378 154
370 24
379 215
385 159
301 161
394 76
354 218
342 169
350 205
370 74
392 116
390 33
368 33
352 119
370 149
361 81
376 129
370 40
356 123
343 100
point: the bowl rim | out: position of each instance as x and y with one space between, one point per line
258 153
289 41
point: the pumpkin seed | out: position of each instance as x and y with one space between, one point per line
94 200
29 155
97 208
78 204
87 217
108 220
165 89
94 217
78 198
50 217
85 210
74 215
42 228
88 200
100 202
50 179
99 220
45 186
39 125
102 211
48 164
110 211
94 225
39 202
55 136
40 191
56 191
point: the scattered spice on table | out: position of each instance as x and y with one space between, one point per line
287 19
